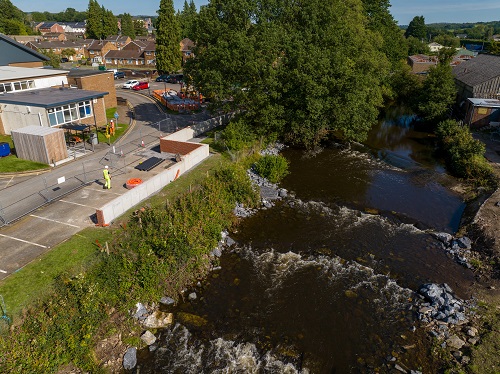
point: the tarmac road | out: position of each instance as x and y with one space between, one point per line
24 240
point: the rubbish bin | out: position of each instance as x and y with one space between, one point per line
4 149
93 138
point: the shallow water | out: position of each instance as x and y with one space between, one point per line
325 283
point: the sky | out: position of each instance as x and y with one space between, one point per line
403 10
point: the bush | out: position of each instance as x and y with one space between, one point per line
274 168
464 154
237 136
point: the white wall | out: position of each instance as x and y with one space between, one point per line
17 116
115 208
51 81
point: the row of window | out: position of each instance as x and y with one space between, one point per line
69 113
16 86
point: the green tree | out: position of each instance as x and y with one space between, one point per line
447 40
109 23
381 21
54 59
127 25
68 52
94 21
417 28
168 53
494 48
139 28
417 46
297 69
438 93
187 18
12 19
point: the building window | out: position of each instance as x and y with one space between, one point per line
69 113
16 86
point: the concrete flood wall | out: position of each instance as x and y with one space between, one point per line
118 206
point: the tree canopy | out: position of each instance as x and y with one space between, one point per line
296 69
187 18
127 25
417 28
101 22
12 19
168 53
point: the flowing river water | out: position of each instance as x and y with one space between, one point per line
325 283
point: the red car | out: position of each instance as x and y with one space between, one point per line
141 86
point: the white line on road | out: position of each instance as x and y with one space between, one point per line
3 271
53 220
70 202
24 241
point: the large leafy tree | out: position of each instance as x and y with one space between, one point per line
127 25
94 20
296 69
11 19
381 21
438 92
109 23
168 53
187 18
417 28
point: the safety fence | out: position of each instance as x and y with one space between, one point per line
46 188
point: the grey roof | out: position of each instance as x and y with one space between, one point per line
37 130
49 97
124 53
478 70
492 103
14 52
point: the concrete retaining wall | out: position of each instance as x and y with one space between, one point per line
131 198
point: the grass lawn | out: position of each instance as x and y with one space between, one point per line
12 164
35 279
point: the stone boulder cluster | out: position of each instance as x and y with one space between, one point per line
448 318
269 192
458 248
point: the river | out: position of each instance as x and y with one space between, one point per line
325 282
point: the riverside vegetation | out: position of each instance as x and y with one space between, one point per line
151 247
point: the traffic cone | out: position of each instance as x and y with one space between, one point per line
121 152
142 143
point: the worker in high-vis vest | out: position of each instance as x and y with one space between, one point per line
107 177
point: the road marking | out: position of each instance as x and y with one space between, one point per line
7 184
70 202
53 220
3 271
24 241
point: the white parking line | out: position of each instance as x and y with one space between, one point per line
53 220
70 202
24 241
3 271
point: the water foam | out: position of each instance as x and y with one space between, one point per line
181 351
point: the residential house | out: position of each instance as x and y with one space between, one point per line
187 47
496 38
435 47
461 36
54 36
57 47
149 54
23 39
136 53
119 41
74 27
46 27
478 78
98 49
482 112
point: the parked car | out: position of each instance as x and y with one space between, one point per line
141 86
163 78
130 84
119 74
177 78
64 59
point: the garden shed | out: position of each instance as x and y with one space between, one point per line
40 144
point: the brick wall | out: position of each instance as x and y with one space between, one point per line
172 146
99 112
98 82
